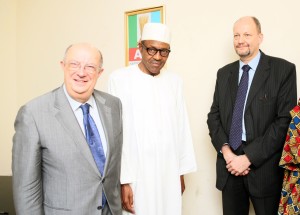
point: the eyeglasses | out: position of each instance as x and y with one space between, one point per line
76 66
152 51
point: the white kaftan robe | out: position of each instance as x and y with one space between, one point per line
157 145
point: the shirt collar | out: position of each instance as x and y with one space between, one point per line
75 104
253 63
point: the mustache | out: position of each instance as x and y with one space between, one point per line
155 61
242 45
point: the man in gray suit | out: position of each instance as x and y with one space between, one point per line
54 168
249 136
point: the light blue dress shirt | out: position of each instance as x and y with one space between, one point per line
253 64
93 112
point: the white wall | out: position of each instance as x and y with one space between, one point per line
39 31
8 73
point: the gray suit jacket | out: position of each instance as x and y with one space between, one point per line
53 168
271 96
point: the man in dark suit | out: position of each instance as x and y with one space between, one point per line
249 144
67 145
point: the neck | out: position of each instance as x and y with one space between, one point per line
146 71
247 59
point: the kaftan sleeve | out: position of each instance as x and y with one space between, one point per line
128 166
187 160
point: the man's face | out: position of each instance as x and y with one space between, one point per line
153 64
246 39
81 68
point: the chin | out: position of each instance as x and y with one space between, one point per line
79 90
244 54
154 73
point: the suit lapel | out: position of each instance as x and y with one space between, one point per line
106 120
233 81
261 74
68 120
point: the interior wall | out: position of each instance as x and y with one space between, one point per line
8 87
39 31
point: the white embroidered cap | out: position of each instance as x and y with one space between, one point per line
156 31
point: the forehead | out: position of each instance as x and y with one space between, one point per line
83 53
245 25
156 44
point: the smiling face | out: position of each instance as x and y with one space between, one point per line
82 68
152 64
247 38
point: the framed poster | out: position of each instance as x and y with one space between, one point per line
134 23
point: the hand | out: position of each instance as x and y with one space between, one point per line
227 153
246 172
127 198
239 165
182 184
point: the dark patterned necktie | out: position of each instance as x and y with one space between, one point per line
236 129
94 141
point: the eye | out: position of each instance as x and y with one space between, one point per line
74 64
152 50
164 51
90 68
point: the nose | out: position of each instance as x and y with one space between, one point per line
241 39
157 56
81 71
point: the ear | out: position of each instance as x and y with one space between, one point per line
62 64
140 46
100 72
261 38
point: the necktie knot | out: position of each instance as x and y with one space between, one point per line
246 68
85 108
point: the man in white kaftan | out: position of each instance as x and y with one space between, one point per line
157 145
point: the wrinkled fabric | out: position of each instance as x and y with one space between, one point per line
157 145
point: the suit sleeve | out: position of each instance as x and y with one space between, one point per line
264 147
26 165
216 130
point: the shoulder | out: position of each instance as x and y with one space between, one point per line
278 66
172 76
227 69
172 80
42 100
39 105
122 72
100 94
275 61
107 98
229 66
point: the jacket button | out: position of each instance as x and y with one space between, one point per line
99 207
103 180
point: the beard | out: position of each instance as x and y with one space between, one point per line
243 53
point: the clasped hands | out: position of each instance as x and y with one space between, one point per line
238 165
